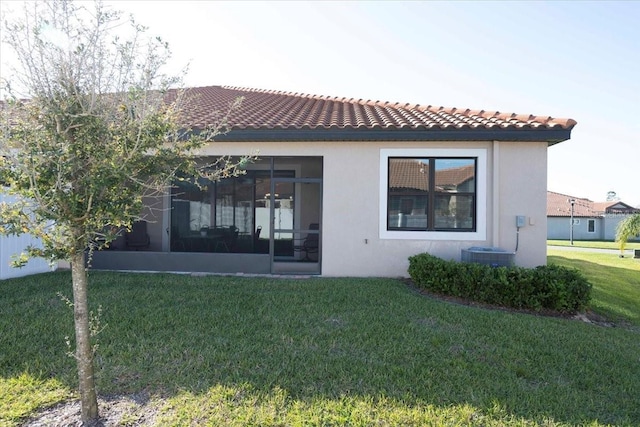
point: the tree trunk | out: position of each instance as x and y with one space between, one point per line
84 352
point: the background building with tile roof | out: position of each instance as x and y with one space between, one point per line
591 220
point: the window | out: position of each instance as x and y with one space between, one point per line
437 194
591 226
431 194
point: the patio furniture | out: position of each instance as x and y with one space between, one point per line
310 244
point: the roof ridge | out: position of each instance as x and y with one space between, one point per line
488 114
570 196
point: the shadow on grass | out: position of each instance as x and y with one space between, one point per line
324 340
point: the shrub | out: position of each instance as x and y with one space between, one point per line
546 287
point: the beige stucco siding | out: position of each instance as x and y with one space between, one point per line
521 185
353 244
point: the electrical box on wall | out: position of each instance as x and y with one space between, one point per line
520 221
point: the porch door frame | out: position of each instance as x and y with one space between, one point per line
291 266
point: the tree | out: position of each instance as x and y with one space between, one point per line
627 228
101 128
612 196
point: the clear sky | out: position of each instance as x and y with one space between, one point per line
563 59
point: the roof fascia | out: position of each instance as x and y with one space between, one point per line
551 136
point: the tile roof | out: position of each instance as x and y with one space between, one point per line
615 207
558 205
333 118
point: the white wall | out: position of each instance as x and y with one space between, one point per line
351 200
559 228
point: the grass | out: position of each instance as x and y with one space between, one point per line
594 244
23 394
616 282
231 351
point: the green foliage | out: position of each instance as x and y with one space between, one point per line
549 287
626 229
101 129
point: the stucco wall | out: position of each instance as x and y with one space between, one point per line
351 199
520 188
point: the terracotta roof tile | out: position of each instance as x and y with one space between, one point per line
558 205
318 117
265 109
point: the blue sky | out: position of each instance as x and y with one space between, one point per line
563 59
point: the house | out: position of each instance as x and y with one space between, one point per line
591 220
348 187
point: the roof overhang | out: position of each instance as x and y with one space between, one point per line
550 136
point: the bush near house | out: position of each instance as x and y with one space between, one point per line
549 287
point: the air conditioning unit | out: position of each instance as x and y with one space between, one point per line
494 257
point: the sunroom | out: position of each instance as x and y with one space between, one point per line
267 220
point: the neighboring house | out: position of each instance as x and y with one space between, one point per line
14 245
591 220
347 187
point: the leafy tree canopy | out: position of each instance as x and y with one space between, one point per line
101 128
627 228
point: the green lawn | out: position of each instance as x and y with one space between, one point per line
597 244
230 351
616 282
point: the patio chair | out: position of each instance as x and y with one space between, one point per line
228 239
311 243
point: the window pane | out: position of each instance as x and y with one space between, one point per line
408 193
453 211
409 175
455 175
408 211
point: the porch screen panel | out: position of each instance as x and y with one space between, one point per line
230 215
191 211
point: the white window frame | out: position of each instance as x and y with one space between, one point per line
481 193
589 222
